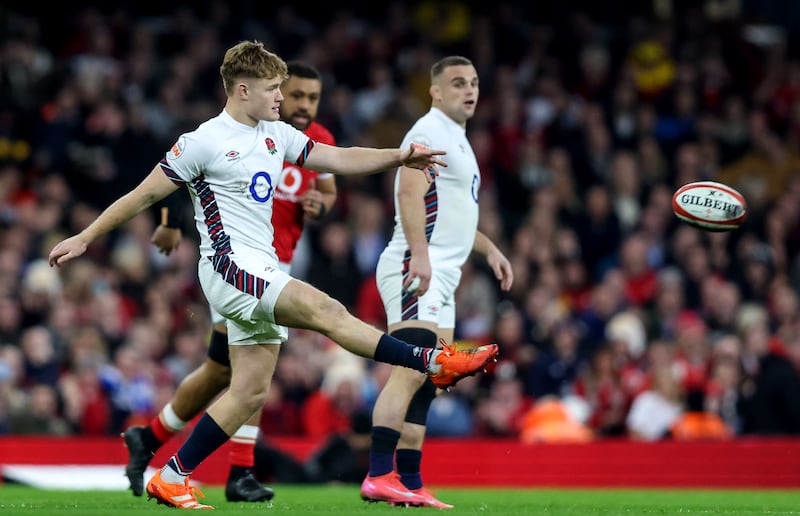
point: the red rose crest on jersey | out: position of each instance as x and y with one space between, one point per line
433 310
270 146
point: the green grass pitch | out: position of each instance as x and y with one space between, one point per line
312 500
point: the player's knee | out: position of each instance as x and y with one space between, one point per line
250 395
425 393
420 403
421 337
330 312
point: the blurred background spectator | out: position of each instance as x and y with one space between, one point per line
622 320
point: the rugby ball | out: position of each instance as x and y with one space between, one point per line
710 206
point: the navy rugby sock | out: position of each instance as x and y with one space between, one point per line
398 352
408 466
206 437
381 454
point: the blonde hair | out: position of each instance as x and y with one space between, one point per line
249 59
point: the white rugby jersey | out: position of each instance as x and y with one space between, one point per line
231 170
451 201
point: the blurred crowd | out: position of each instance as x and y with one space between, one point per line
622 321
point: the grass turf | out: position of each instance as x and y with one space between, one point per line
345 500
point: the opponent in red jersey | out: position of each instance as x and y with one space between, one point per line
301 193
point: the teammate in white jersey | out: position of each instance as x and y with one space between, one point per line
301 194
230 165
436 229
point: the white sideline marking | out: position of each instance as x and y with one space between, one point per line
71 476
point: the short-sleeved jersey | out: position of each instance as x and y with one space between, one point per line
231 170
451 202
287 213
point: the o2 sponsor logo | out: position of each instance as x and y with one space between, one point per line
476 186
261 187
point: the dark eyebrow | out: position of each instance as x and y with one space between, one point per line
462 78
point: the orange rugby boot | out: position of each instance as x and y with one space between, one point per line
454 364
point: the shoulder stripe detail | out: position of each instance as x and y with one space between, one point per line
301 159
171 173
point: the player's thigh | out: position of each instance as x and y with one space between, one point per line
303 306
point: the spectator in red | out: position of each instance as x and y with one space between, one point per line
601 387
330 409
502 412
641 280
280 416
693 350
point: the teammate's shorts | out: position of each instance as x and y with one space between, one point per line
250 320
437 305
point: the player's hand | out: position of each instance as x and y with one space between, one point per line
501 268
313 203
423 158
166 239
66 250
418 280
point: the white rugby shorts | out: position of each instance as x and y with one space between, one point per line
249 320
437 305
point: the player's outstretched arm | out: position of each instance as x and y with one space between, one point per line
153 188
353 161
